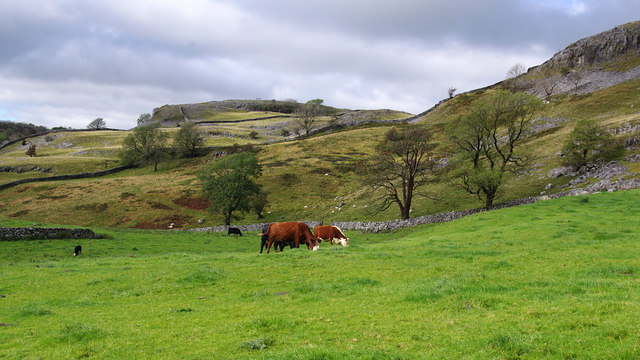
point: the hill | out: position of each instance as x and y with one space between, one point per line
320 177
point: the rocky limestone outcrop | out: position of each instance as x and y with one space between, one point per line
588 65
599 48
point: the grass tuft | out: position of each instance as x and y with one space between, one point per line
80 332
257 344
207 275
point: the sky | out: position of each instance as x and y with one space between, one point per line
67 62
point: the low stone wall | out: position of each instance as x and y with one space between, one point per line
250 227
36 233
51 132
601 186
66 177
378 226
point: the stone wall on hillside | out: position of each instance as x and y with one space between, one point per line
8 143
66 177
605 185
250 227
37 233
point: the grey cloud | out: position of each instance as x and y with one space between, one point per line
63 60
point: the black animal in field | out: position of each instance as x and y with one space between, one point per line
77 250
234 231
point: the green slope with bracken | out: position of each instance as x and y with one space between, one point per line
308 178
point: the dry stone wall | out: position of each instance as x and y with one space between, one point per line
37 233
604 185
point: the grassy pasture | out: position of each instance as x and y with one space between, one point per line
64 153
557 279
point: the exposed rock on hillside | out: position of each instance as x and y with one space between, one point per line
169 115
603 47
590 64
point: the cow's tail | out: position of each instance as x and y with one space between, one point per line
263 242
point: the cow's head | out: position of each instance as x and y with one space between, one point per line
343 241
316 243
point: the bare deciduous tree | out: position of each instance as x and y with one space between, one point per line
402 165
98 123
513 76
308 115
575 76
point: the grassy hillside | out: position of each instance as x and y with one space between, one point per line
306 179
555 279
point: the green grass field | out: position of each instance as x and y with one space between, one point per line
558 279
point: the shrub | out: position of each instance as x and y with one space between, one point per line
288 179
31 151
589 142
257 344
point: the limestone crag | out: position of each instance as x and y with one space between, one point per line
602 47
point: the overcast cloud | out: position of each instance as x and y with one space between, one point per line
66 62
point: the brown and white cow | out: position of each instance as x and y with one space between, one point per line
331 233
290 231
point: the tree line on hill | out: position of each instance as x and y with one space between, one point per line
14 130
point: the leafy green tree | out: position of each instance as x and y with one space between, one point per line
189 138
97 123
144 145
144 118
401 166
589 142
487 141
229 183
259 202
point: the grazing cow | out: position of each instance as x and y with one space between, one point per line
290 231
234 231
77 250
331 233
265 238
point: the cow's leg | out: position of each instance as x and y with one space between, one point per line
269 245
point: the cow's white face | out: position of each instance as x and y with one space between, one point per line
343 241
315 248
